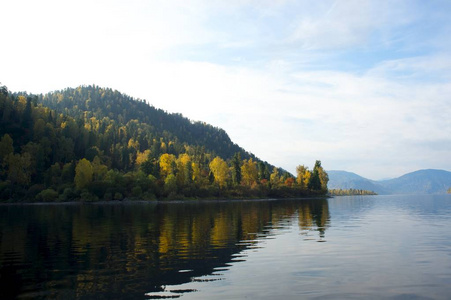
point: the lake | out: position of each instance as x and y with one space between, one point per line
371 247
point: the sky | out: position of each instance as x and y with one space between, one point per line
364 86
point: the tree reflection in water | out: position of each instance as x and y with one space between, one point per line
131 249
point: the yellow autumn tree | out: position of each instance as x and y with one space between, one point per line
141 157
196 172
184 170
167 164
303 176
274 178
220 171
249 172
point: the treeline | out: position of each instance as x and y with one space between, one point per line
350 192
94 144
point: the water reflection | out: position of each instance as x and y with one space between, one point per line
128 250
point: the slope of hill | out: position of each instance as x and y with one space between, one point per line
85 102
419 182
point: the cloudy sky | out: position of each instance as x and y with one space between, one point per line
364 86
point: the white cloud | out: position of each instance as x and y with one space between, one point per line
338 24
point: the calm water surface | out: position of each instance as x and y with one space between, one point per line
373 247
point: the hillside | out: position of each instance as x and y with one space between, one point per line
86 102
419 182
91 143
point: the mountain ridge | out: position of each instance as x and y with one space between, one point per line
424 181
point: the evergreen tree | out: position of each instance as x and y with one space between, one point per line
315 182
236 169
6 147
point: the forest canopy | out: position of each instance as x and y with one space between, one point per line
91 143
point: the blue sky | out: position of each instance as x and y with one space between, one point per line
364 86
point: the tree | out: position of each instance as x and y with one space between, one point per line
3 90
83 174
48 195
314 183
167 165
323 176
220 171
68 172
27 121
303 176
289 181
99 170
184 170
196 173
274 178
319 179
18 168
141 157
6 147
249 172
263 173
150 167
170 184
236 168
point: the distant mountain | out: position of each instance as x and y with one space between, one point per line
428 181
348 180
420 182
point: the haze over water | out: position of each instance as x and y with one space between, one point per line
393 247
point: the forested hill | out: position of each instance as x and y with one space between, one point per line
110 107
91 143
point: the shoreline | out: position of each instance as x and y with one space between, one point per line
155 202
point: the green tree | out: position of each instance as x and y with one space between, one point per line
319 179
68 172
323 176
3 90
27 121
170 184
99 170
263 173
236 168
83 174
48 195
18 168
6 147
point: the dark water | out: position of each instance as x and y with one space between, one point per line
391 247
